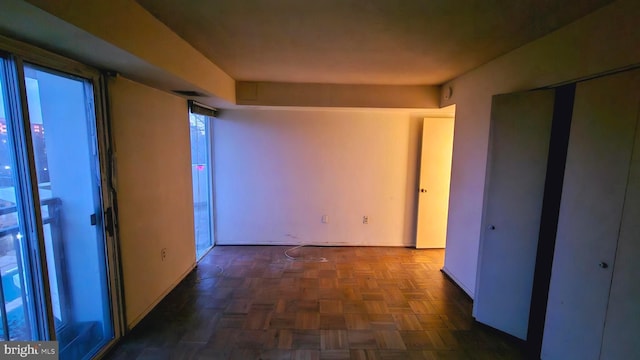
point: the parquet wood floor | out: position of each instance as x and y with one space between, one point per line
252 302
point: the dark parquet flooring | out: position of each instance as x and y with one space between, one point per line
252 302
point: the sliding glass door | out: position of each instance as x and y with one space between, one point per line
201 175
64 146
56 257
16 292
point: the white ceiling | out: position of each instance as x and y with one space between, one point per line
391 42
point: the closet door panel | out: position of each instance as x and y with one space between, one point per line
519 145
600 147
623 315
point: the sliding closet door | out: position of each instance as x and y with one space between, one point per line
623 315
600 148
519 145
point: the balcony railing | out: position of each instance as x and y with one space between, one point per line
12 292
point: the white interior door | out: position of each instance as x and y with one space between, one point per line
435 178
623 314
516 172
596 173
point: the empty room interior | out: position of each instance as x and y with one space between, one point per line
321 180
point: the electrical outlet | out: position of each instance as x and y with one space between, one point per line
325 219
163 254
365 219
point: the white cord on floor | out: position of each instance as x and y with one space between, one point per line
221 270
219 274
321 259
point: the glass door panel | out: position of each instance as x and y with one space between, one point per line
62 121
201 173
16 300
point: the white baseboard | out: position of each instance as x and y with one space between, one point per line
312 243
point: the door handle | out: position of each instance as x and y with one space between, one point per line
491 227
603 265
423 190
109 223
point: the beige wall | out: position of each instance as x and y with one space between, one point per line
279 170
156 49
602 41
151 138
